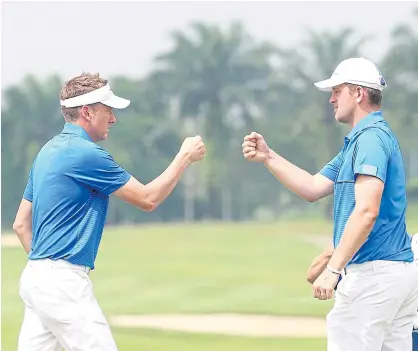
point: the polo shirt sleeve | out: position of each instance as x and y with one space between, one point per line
330 170
372 153
28 193
96 168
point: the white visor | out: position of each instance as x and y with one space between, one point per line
102 95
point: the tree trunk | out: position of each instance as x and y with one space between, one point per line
226 200
332 133
189 196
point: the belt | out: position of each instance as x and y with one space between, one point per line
371 266
58 264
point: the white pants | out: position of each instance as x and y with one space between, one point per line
61 310
414 245
375 305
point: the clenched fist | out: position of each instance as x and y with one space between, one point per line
255 147
323 287
193 148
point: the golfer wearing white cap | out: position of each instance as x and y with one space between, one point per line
62 214
376 299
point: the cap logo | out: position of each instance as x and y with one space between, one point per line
382 80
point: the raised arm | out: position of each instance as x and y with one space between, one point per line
96 169
300 182
148 197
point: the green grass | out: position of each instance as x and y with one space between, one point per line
163 341
199 268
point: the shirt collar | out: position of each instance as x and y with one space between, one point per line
367 121
70 128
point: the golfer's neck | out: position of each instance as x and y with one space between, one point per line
86 128
362 113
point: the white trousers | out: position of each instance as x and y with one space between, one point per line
375 305
61 311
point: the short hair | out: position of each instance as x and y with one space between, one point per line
374 95
82 84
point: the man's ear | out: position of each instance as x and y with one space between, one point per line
86 113
360 94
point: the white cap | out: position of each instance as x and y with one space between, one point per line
103 95
359 71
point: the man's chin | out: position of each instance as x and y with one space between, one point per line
102 138
339 118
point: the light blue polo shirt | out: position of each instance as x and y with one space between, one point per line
69 186
372 149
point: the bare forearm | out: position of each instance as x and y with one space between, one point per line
316 268
357 229
162 186
25 237
319 263
22 225
292 177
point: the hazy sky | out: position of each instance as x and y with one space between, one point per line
122 38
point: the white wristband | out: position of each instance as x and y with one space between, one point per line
332 270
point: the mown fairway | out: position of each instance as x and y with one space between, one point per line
199 268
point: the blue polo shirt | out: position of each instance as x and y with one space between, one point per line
69 186
372 149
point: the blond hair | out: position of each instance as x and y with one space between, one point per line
76 86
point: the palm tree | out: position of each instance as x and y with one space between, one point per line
30 116
313 60
143 141
400 66
212 73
